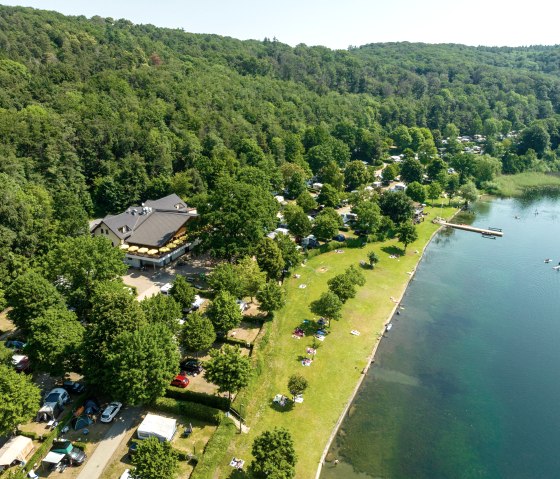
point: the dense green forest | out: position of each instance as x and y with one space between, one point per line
98 114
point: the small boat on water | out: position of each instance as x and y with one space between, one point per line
488 236
557 268
547 260
388 327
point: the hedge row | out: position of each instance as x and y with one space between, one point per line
214 452
189 409
47 443
237 342
216 402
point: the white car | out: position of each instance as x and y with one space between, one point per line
111 411
243 306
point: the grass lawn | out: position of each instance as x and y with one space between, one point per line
340 359
515 185
202 431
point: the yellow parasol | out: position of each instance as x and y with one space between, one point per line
123 246
133 248
165 249
153 251
143 250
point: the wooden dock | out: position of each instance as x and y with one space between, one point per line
484 231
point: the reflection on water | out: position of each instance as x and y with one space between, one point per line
467 386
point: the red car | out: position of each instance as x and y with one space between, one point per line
180 381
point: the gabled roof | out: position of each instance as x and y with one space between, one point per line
152 224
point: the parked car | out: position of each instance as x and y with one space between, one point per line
15 344
180 381
73 387
21 363
166 288
197 303
339 237
191 366
243 306
111 411
56 398
74 456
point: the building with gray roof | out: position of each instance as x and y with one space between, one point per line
154 233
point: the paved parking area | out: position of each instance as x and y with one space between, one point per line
149 281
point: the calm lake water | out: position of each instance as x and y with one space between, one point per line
466 384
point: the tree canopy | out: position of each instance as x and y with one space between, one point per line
141 364
19 399
228 369
274 455
155 459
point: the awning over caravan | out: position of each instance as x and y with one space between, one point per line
53 457
16 449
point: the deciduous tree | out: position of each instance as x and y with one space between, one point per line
326 224
297 221
55 342
228 369
406 233
162 309
224 312
269 257
79 264
155 459
274 455
297 385
30 295
396 205
19 399
198 332
328 196
141 364
271 297
182 292
235 217
328 306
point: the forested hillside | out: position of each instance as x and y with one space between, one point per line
98 114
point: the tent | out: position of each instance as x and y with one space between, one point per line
81 422
16 449
157 426
91 407
47 413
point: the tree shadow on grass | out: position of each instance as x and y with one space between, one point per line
392 250
359 242
238 474
288 406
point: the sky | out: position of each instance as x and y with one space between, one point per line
338 24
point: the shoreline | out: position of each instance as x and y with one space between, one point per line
371 356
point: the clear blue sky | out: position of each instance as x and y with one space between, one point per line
338 23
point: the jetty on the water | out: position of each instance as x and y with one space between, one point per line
484 231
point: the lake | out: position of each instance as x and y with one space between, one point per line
466 384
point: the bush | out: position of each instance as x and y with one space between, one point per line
214 452
217 402
31 435
236 342
80 445
189 409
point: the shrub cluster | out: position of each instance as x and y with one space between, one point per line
189 409
216 402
